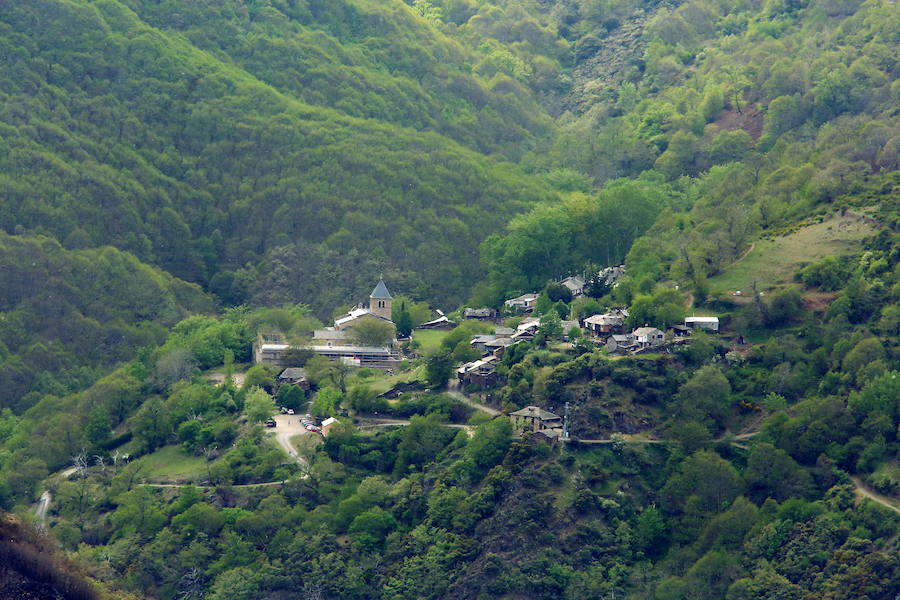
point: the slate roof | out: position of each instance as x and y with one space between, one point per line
329 334
702 320
356 314
645 331
380 291
293 373
535 411
607 319
573 283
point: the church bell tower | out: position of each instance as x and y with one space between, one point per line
380 300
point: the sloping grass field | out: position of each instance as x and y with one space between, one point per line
172 463
772 262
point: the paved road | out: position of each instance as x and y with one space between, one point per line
627 440
453 390
882 500
368 423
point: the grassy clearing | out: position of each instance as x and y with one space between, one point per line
172 463
304 443
772 263
429 340
382 383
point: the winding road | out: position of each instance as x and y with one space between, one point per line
453 390
862 490
287 427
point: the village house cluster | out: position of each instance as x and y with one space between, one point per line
607 330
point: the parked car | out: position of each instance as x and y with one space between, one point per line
290 411
271 423
307 422
313 428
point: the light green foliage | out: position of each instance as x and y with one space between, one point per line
138 512
552 240
291 396
261 376
208 339
371 527
662 309
258 405
421 442
326 402
372 332
277 152
489 444
152 423
173 184
550 328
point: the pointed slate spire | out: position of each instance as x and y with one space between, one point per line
380 291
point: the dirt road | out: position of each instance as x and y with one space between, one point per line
866 492
287 427
453 390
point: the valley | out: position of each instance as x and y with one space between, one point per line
635 324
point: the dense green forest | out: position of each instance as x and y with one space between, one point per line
735 119
176 177
68 316
195 158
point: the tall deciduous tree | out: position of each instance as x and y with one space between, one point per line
372 332
258 405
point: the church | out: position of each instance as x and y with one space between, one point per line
338 342
380 306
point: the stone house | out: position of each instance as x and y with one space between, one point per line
534 418
648 337
574 284
523 303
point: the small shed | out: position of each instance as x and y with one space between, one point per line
706 323
327 424
482 314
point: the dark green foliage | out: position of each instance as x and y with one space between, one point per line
439 369
68 311
200 141
280 151
291 396
402 320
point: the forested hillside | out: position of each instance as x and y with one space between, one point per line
67 316
739 119
177 177
202 157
